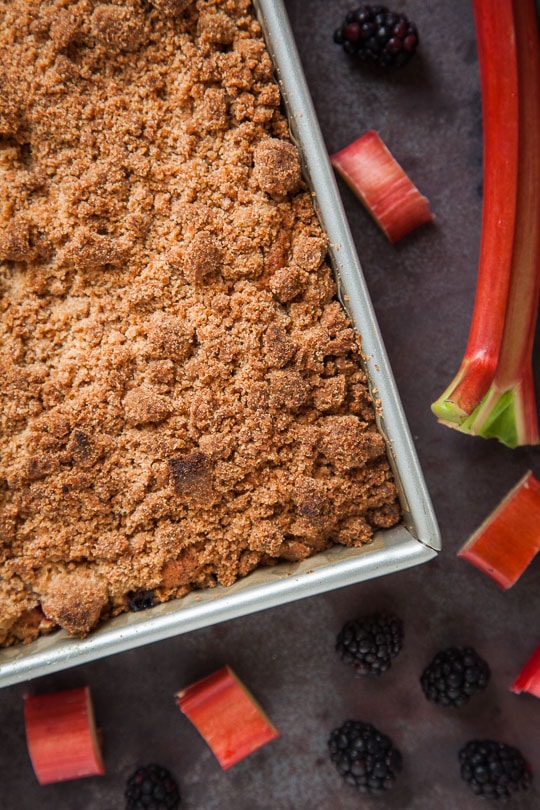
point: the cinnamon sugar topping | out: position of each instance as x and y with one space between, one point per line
182 398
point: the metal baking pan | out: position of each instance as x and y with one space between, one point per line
415 541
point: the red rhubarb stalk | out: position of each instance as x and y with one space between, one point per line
61 736
227 716
504 407
528 679
508 540
508 411
496 44
391 198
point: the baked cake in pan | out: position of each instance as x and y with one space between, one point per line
183 398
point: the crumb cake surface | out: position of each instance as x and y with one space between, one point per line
182 397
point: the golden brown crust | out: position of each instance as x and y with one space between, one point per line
181 396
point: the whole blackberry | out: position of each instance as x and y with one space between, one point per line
375 33
369 644
494 769
364 757
152 787
454 676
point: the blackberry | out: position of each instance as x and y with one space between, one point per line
152 787
364 757
494 769
141 600
377 34
369 644
454 676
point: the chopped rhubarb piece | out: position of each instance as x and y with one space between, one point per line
493 395
61 736
376 177
507 541
227 716
528 679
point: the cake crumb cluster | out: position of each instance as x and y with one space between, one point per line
182 397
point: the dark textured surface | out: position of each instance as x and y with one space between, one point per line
422 290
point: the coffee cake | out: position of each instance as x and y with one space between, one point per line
182 398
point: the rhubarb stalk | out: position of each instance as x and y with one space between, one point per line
497 55
508 540
61 736
492 394
227 716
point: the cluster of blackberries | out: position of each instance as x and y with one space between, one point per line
376 34
367 759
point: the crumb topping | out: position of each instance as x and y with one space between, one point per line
182 395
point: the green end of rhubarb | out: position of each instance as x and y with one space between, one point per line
499 423
466 391
508 415
448 412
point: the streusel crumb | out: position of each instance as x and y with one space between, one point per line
182 398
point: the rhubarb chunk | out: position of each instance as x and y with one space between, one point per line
61 736
391 198
528 679
507 541
227 716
